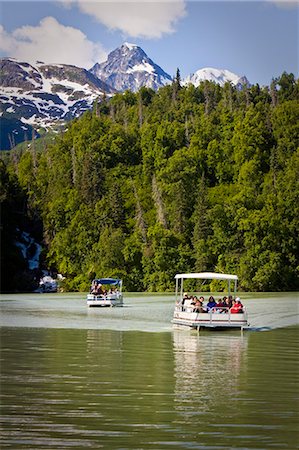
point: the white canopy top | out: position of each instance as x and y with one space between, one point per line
207 276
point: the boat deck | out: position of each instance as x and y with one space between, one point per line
104 300
211 319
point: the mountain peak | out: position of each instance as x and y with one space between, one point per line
218 76
130 46
129 67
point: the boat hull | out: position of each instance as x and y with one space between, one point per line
210 320
104 300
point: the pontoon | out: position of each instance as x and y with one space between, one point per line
105 292
185 313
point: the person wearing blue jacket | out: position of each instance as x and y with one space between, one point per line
211 303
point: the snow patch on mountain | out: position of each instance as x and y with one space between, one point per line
45 95
130 46
143 67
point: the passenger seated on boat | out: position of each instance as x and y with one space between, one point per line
182 302
239 304
193 300
188 306
237 307
198 307
202 299
211 304
93 287
230 301
221 305
99 289
226 304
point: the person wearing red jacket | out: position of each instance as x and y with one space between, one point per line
237 307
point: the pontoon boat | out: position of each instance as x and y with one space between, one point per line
186 314
105 292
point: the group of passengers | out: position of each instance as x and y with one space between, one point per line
98 289
221 306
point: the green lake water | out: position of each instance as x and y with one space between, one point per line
74 377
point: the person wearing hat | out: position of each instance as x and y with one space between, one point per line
237 307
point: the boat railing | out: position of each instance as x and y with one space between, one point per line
227 313
108 296
187 306
225 310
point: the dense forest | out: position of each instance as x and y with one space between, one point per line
151 184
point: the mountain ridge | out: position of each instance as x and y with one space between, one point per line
37 95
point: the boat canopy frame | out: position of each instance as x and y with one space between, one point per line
109 281
204 276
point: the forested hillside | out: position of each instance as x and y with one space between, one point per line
155 183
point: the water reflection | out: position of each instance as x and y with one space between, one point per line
72 388
207 369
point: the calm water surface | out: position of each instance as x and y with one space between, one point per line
74 377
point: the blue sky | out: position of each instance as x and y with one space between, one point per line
258 39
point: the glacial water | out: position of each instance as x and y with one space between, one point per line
74 377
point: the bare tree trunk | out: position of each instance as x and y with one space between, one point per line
187 136
273 92
140 217
161 216
112 112
33 152
140 110
74 172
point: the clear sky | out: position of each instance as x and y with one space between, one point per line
258 39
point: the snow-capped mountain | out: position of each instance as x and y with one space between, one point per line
129 67
219 76
38 95
42 95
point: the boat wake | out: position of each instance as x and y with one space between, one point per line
258 329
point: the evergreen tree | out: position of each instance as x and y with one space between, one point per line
154 183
